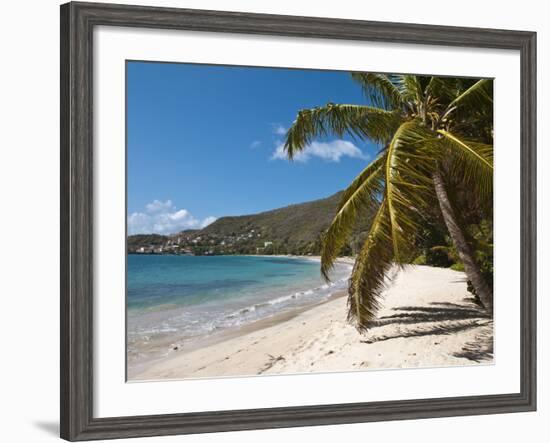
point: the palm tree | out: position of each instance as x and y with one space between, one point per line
436 135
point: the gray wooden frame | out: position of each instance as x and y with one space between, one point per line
77 24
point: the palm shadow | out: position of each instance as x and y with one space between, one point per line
437 319
436 312
480 350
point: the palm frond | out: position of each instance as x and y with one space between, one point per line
409 163
406 170
358 121
444 89
365 190
471 163
379 89
410 88
480 94
367 281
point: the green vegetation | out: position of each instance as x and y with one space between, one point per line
137 241
435 168
295 229
436 249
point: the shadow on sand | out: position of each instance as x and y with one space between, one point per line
440 319
437 312
480 350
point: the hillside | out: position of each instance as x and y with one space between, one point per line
135 241
294 229
295 223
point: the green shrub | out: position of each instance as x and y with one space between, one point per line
420 260
458 267
438 256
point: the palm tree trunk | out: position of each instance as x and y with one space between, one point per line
464 252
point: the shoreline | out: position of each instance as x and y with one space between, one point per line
145 351
344 260
428 319
232 333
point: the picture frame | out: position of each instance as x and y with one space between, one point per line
78 21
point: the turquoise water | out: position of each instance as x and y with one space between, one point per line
184 297
159 280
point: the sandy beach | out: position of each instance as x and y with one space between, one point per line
428 319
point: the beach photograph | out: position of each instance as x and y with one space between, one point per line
291 221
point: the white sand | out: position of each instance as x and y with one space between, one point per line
427 319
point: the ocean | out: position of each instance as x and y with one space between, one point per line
174 300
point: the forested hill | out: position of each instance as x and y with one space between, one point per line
294 229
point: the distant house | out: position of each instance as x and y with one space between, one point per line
267 243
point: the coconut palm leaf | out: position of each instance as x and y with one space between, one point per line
363 191
479 95
379 89
472 163
405 169
358 121
410 88
409 163
367 281
443 88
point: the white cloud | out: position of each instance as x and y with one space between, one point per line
255 144
158 206
162 217
207 221
279 129
329 151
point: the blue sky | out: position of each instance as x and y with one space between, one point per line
205 141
